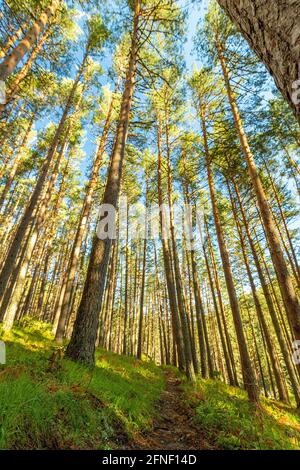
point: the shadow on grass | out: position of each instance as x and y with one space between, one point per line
233 423
71 406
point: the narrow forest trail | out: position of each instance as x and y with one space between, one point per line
173 427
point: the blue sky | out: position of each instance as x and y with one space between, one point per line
196 10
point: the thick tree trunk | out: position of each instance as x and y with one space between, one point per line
81 229
82 344
272 30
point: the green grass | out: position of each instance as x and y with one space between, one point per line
69 406
231 422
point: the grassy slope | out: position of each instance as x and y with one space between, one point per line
231 422
66 405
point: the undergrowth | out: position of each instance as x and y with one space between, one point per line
230 422
46 404
64 405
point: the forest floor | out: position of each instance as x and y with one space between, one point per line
48 402
173 426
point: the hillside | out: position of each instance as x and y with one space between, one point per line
47 402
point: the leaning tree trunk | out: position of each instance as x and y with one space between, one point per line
258 307
11 40
18 159
265 288
31 209
21 75
81 229
273 32
9 64
82 344
29 246
291 303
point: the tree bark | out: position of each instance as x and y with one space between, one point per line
82 344
81 229
273 32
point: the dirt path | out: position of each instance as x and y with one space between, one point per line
173 428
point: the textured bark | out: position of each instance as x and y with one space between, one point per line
81 229
82 344
272 30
